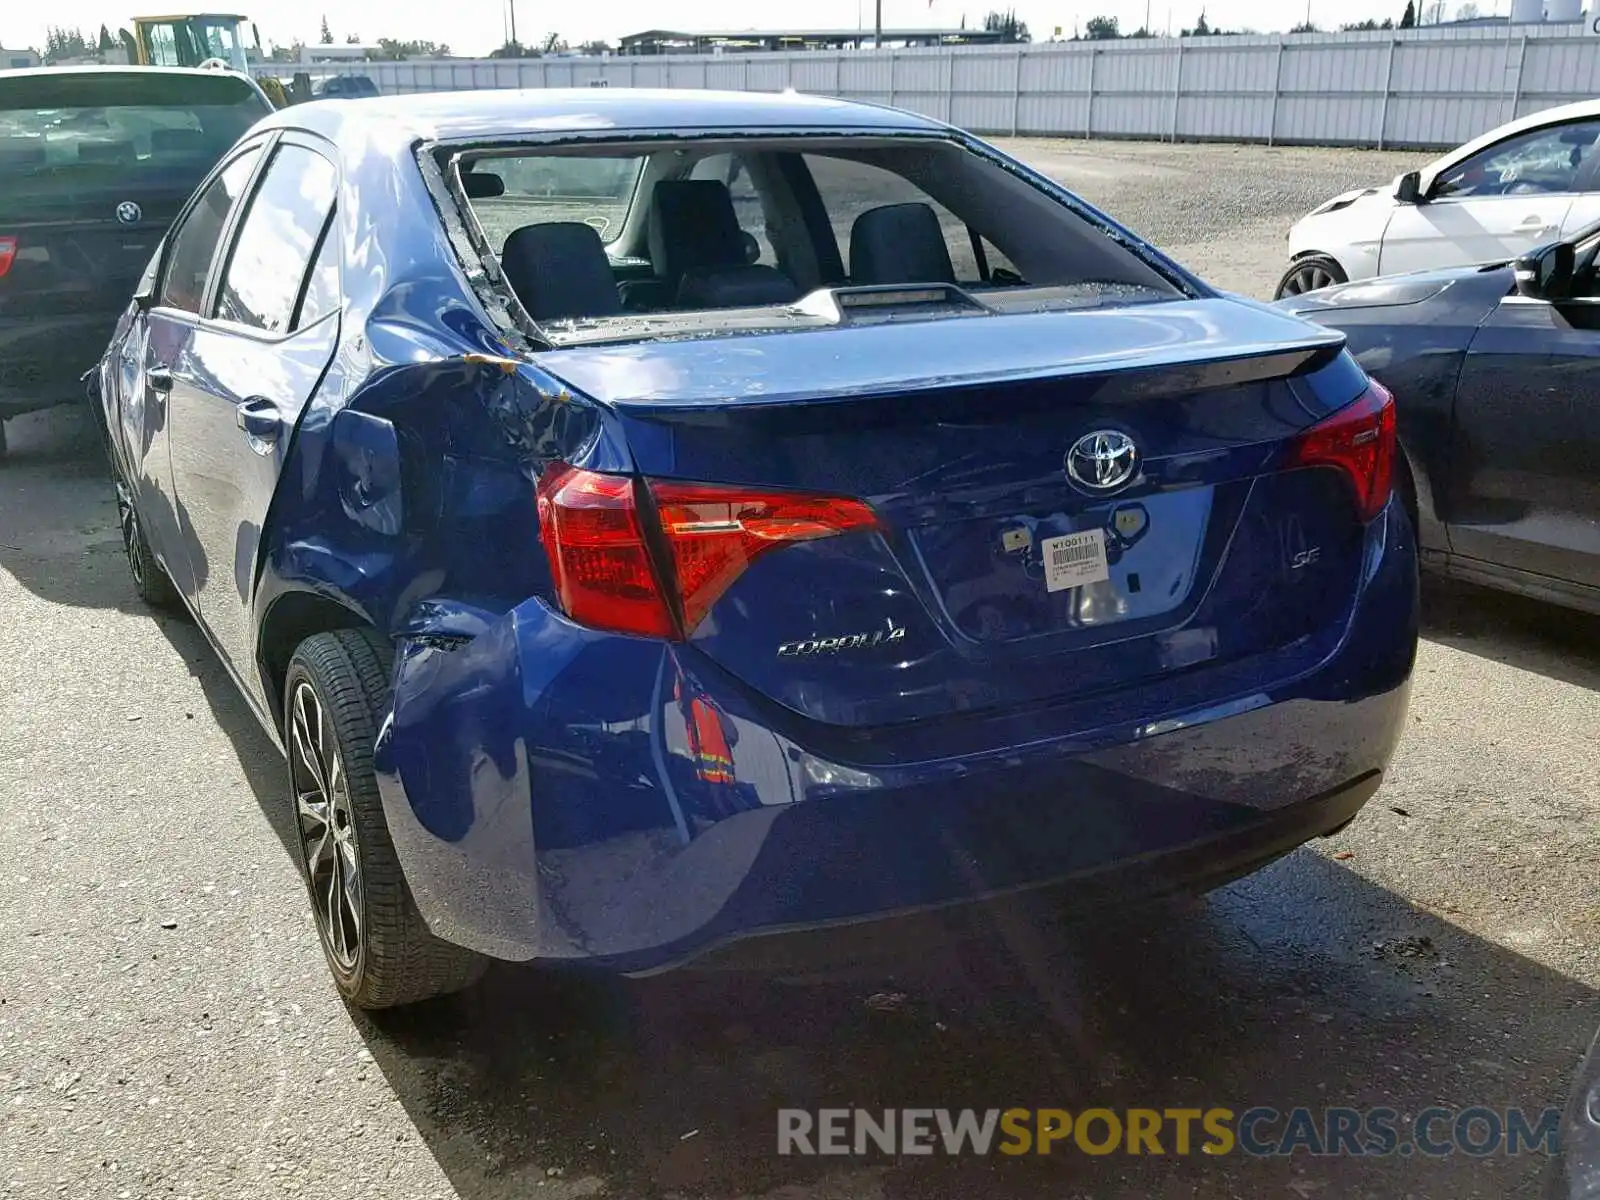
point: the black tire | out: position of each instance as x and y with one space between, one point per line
3 446
150 579
395 960
1310 273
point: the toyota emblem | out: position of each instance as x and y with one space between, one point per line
128 212
1102 461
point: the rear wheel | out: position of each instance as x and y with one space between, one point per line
150 578
378 948
1310 274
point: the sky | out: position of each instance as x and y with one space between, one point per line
474 27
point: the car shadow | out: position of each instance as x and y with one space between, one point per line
1559 643
1305 985
58 513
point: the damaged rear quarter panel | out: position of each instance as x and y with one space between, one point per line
408 491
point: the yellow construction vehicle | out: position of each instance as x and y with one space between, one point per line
200 40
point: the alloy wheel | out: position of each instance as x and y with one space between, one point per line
326 826
1312 277
128 521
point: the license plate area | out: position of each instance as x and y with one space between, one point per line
1034 573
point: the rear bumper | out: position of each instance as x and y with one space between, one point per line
546 800
42 359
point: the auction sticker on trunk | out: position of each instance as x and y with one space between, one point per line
1074 559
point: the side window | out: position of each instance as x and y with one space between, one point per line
322 288
850 188
277 239
1541 160
194 244
731 170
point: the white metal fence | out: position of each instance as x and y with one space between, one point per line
1420 88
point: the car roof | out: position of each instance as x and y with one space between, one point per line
492 113
1578 111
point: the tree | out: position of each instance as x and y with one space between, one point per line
1304 27
327 34
513 50
1007 25
107 42
65 43
353 39
1409 19
398 51
1467 12
286 54
1201 29
552 44
595 48
1102 29
1367 26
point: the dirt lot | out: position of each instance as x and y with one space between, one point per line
167 1030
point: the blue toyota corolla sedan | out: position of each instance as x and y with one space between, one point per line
651 522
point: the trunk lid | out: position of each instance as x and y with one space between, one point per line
996 578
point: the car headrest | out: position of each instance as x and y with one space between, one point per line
899 243
177 141
482 185
107 152
692 224
744 286
560 269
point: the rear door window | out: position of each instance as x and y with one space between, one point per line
850 188
277 240
550 187
68 142
194 243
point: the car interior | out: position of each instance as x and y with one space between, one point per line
718 227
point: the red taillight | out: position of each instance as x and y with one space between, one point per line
1359 439
600 557
8 254
716 532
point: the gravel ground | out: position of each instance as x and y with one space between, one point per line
1222 211
167 1030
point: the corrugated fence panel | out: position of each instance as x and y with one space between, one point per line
816 73
1437 86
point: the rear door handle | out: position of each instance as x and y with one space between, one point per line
261 422
159 378
1537 223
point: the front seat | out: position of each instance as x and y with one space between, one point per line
899 243
559 269
697 249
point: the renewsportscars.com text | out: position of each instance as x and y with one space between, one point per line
1259 1132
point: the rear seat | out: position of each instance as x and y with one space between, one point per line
697 250
559 270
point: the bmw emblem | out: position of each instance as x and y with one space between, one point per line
128 212
1102 461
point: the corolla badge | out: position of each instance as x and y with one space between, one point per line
833 645
128 212
1102 461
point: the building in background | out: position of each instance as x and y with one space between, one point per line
11 60
743 41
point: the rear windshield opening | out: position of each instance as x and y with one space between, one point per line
615 241
83 131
